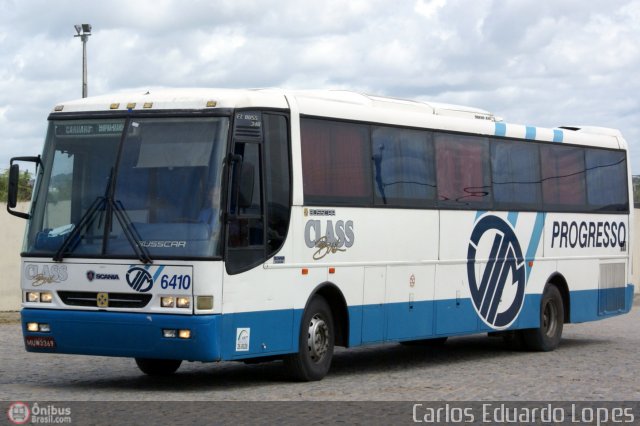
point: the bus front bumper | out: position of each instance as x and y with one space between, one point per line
137 335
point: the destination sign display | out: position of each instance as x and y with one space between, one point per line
90 129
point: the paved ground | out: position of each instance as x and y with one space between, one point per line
596 361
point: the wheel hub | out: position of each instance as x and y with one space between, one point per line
318 341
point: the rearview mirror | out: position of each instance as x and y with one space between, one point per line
12 190
14 184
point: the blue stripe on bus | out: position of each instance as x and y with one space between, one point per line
158 272
500 129
558 135
530 132
534 242
276 332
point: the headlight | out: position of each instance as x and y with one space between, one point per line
39 297
169 333
183 302
38 326
33 296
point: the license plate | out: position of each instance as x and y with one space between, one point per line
40 342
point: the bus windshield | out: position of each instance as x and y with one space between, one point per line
138 187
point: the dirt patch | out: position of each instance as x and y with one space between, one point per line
9 317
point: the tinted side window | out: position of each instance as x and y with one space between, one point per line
246 229
403 166
245 226
516 175
277 180
563 177
463 171
606 180
335 162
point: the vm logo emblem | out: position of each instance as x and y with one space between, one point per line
139 279
496 272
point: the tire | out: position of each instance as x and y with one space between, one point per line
426 343
316 343
547 337
158 367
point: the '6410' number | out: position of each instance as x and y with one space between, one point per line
176 282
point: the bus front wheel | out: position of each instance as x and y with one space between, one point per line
158 367
547 337
316 343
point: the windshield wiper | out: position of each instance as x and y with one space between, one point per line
120 213
130 231
86 219
125 222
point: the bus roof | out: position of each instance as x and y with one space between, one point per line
347 105
177 99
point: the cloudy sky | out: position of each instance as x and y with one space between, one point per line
537 62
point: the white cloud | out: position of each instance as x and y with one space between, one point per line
429 8
213 47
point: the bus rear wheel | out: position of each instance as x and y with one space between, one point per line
158 367
316 343
547 337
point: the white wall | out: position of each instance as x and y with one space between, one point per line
12 232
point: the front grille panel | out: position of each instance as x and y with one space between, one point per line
116 300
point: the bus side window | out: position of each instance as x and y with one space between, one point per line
277 181
246 202
462 164
563 178
245 240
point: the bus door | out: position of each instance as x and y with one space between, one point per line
258 211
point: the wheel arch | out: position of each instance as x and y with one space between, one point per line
339 312
559 281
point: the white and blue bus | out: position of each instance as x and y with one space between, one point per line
209 225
